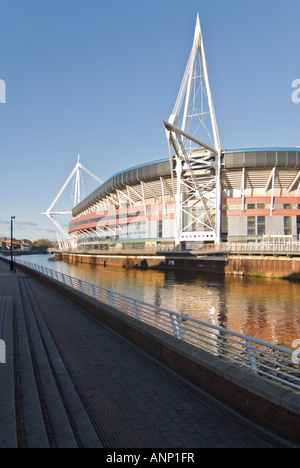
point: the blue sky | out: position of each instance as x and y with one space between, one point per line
97 78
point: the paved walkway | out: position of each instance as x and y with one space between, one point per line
78 384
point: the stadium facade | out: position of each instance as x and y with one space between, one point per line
201 193
136 208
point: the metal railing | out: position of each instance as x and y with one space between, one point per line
266 246
261 358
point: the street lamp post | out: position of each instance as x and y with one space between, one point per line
11 243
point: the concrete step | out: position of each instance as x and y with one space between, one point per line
39 404
81 423
30 421
57 423
69 421
8 430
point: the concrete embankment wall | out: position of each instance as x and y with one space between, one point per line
277 267
266 403
283 267
124 261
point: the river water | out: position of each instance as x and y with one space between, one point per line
263 308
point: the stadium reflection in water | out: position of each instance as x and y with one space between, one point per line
263 308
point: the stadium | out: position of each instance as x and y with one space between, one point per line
200 194
136 208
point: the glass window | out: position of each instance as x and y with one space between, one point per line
261 225
287 225
251 226
224 223
159 228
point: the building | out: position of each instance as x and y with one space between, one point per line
135 209
200 194
23 244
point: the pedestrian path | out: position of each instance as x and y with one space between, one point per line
71 382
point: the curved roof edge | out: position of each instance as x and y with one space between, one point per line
262 148
234 158
256 158
131 176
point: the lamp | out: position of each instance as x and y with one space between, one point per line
11 243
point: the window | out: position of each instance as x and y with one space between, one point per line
261 225
287 225
159 228
251 226
253 206
256 225
224 223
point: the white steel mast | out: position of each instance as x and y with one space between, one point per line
77 195
198 164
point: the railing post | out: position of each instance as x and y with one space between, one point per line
251 356
111 299
137 310
174 325
180 328
81 287
177 326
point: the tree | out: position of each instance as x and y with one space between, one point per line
42 244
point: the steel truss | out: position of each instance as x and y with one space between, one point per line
77 181
198 164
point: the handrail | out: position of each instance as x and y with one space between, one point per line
267 246
259 357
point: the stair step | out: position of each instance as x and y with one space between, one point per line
61 429
80 420
39 404
8 431
31 427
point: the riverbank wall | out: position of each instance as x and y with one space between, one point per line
280 266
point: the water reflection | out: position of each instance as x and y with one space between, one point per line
263 308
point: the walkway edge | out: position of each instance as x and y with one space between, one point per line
261 401
8 433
